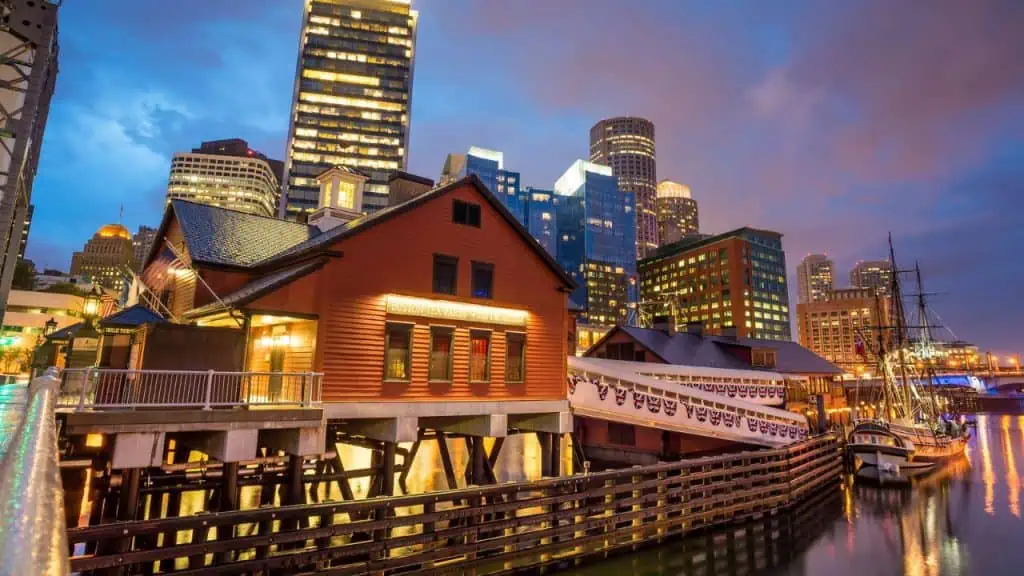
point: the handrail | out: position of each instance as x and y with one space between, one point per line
115 388
33 535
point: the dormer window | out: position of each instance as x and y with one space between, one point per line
762 358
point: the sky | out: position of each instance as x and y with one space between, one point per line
833 123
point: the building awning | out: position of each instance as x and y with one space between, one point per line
66 333
131 317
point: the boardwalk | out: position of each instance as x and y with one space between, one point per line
12 405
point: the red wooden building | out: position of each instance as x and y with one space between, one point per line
441 307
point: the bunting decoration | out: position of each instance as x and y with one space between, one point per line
701 414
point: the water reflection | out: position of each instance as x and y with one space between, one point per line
940 526
12 402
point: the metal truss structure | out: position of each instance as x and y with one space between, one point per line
28 73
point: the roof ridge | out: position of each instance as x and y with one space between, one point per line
234 211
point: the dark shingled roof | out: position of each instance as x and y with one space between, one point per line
257 288
711 351
130 317
227 237
67 332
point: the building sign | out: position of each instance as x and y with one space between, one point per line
456 311
85 344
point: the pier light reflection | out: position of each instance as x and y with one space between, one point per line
987 476
1012 478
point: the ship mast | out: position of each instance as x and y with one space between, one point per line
901 333
886 403
926 339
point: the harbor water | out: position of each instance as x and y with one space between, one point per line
963 519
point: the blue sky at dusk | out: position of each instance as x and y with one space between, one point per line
831 122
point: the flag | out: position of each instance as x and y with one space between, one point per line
858 344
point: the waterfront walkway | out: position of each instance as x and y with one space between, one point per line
12 406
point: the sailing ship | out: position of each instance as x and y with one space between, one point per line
912 431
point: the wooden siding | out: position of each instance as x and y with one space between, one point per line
298 357
397 257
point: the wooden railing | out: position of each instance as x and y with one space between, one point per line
492 528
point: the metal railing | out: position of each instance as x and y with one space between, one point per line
105 388
33 536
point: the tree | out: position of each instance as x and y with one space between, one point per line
24 275
66 288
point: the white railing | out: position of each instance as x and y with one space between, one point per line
33 536
104 388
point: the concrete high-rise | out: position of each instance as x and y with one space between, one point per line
352 97
106 257
677 212
843 327
28 37
814 278
874 274
626 144
597 241
142 241
226 173
736 279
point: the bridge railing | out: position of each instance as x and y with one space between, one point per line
33 535
104 388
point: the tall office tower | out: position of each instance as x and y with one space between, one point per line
874 274
540 218
677 212
105 257
142 241
832 326
597 241
627 145
226 173
352 98
733 279
489 166
814 279
28 36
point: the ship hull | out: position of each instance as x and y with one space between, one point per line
901 447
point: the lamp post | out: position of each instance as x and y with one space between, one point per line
48 328
86 338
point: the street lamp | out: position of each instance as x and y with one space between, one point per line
49 327
91 304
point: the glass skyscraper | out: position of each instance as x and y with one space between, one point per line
541 220
353 93
597 241
489 167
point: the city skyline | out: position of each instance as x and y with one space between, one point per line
754 134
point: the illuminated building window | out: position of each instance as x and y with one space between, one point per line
440 369
397 351
479 356
446 274
483 280
515 357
